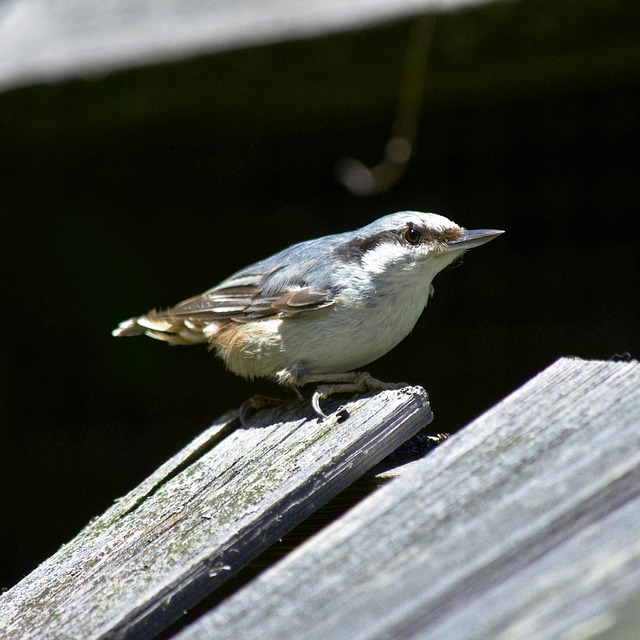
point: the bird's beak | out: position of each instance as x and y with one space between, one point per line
473 238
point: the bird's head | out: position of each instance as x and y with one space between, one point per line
412 242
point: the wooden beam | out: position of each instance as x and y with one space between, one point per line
523 525
204 515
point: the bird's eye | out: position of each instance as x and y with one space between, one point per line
412 236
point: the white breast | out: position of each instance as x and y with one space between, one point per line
366 322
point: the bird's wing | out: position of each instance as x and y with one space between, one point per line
291 282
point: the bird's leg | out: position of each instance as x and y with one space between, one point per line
350 382
329 385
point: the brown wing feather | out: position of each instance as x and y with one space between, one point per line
224 302
242 303
302 300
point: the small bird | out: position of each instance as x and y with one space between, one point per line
318 310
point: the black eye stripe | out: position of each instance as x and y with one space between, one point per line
357 246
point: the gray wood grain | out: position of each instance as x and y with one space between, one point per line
45 40
202 516
526 524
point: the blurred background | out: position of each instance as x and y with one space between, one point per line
136 185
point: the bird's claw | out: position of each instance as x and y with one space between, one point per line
318 395
357 382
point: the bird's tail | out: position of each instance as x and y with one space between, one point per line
174 331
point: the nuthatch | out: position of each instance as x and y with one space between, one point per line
317 310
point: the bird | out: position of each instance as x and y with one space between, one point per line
320 310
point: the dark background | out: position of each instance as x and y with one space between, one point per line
138 189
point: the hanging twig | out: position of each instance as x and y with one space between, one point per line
356 176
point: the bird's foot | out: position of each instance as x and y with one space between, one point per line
351 382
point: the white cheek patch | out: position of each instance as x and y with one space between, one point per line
381 257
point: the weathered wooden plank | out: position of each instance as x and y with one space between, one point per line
44 40
524 525
202 516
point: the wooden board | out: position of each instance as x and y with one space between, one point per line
45 40
526 524
204 515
